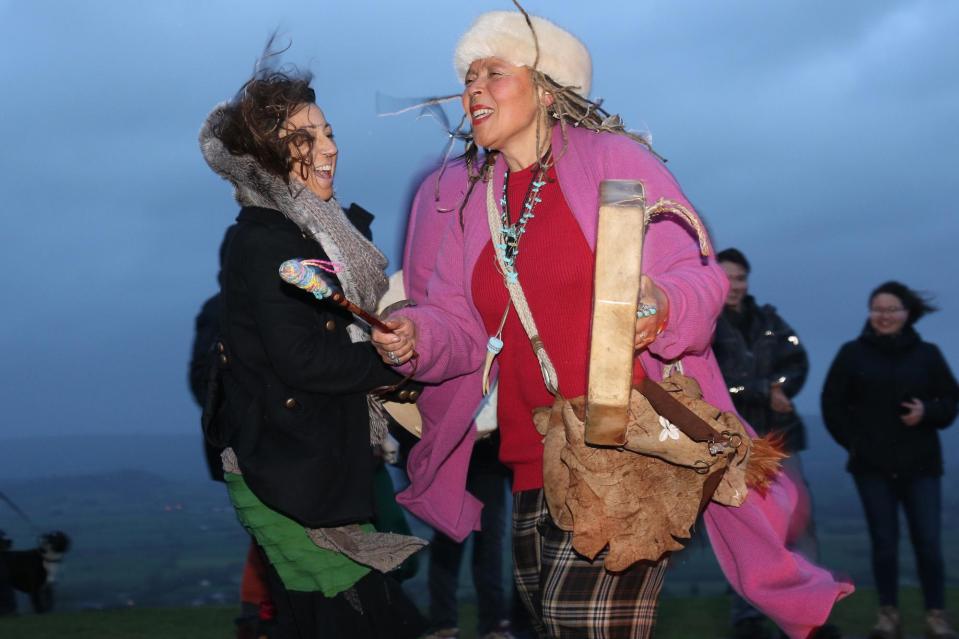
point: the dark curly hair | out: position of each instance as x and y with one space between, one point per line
253 121
918 304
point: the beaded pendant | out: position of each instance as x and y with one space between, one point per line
510 234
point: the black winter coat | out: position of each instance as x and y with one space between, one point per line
764 352
203 358
295 386
869 379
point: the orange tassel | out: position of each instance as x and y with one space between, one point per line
765 461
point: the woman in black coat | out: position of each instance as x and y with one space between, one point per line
886 396
299 376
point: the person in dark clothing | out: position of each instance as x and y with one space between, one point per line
487 480
885 397
8 598
203 357
256 608
764 365
302 413
761 358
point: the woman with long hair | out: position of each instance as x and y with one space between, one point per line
540 148
885 398
300 424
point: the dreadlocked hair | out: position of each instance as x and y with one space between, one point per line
567 109
571 109
474 174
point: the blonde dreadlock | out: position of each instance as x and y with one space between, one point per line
567 109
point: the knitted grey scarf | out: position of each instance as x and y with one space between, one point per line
363 278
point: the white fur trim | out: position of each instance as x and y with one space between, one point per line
505 34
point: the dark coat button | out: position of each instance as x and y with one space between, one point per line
414 395
291 403
224 360
403 395
330 325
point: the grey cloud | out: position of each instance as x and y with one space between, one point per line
817 136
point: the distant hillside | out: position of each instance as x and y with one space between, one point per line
178 456
150 529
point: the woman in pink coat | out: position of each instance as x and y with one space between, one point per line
547 150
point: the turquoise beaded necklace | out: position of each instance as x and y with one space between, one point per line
510 234
508 245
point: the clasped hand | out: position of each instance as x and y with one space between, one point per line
916 411
396 348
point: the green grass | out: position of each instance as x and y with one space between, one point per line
137 623
679 618
708 617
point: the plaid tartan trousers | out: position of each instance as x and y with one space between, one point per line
570 597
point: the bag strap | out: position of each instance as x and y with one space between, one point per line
665 405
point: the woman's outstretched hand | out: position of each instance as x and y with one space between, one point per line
396 348
650 324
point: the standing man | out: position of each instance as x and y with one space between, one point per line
764 366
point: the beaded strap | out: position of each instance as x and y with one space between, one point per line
517 297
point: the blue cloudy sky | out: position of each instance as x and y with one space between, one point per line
817 136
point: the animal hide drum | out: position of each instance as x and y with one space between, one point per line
619 256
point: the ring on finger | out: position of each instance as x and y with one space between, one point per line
393 358
646 310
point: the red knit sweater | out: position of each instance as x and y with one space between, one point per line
555 266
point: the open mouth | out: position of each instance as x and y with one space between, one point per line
479 113
324 171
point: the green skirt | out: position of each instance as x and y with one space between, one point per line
301 564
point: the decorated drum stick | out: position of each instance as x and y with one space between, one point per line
308 275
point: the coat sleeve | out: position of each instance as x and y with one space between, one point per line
754 390
695 285
203 339
792 363
941 408
301 352
424 232
834 399
696 288
450 339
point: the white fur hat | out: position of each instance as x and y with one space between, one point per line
505 34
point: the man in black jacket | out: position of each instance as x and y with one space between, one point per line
764 366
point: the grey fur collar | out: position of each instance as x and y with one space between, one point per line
363 278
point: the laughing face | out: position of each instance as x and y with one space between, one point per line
887 314
502 104
322 163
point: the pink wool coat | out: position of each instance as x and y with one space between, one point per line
439 260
